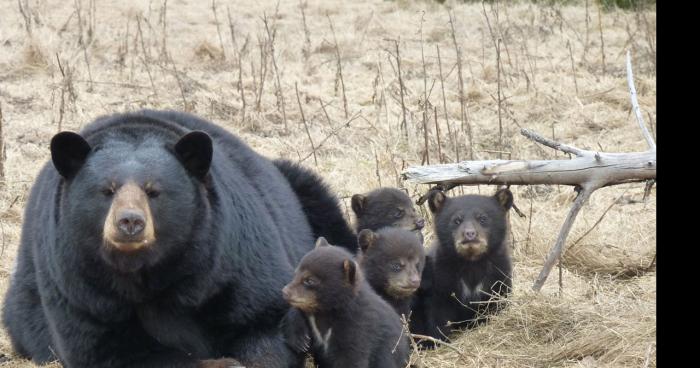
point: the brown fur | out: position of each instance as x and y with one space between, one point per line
129 197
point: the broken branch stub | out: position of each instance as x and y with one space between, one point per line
587 171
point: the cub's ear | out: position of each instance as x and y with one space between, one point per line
350 271
365 239
321 242
504 198
436 201
68 152
195 150
358 203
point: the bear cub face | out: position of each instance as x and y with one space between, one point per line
471 226
132 193
327 278
392 259
386 207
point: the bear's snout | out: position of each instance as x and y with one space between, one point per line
131 222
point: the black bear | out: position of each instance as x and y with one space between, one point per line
320 205
385 207
392 259
351 326
469 267
156 239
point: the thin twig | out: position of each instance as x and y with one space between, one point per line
145 56
280 95
334 132
306 127
404 125
462 99
437 135
218 28
339 65
602 41
552 144
577 241
573 67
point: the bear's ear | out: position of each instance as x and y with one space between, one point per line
436 200
504 198
350 271
321 242
195 150
365 239
68 153
358 203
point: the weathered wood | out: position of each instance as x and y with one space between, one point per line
587 171
553 256
607 169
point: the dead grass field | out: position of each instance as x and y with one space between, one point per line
125 55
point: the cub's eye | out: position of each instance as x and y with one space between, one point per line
482 219
310 282
396 267
399 213
108 192
458 220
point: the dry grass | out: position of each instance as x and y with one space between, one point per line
606 313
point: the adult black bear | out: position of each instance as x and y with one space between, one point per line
320 205
155 239
467 267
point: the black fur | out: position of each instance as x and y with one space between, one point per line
365 332
321 207
386 207
227 240
448 271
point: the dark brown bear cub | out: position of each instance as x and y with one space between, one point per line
469 267
351 326
385 207
392 260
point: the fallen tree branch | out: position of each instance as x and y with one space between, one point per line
587 171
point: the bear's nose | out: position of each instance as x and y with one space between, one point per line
469 234
131 222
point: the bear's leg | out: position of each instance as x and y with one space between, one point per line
24 318
83 341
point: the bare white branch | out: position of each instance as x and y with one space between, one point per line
635 105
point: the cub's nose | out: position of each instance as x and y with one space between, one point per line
131 222
469 235
285 292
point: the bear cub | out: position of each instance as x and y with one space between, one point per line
470 267
351 326
392 260
386 207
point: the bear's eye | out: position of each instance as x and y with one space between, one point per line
108 192
399 213
482 219
310 282
152 193
396 266
458 220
